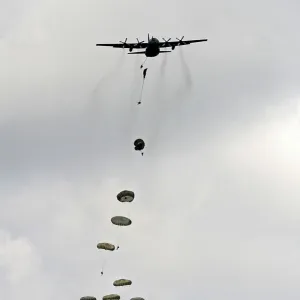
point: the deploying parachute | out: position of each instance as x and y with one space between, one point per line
139 145
125 196
144 76
122 282
88 298
106 246
111 297
121 221
145 73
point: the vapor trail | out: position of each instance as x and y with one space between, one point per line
186 70
103 82
161 104
183 92
135 92
163 65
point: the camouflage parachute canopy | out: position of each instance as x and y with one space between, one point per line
106 246
121 221
125 196
139 145
88 298
111 297
122 282
137 298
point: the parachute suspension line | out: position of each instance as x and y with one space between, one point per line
126 197
118 236
103 265
118 239
144 76
141 94
104 262
105 248
142 65
120 221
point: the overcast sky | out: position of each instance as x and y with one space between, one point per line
216 213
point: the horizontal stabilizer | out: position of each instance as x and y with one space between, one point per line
142 52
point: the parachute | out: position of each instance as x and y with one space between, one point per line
111 297
88 298
137 298
122 282
139 145
106 246
125 196
121 221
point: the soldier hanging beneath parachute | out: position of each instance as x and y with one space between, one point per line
144 76
106 247
121 221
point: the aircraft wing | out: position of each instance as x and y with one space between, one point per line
179 43
126 45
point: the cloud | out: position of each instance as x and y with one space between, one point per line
21 269
18 257
216 208
198 213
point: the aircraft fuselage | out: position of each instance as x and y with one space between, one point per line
152 49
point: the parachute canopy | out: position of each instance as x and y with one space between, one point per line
111 297
122 282
137 298
139 145
125 196
88 298
121 221
106 246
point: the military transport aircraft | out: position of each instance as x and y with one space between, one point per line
152 48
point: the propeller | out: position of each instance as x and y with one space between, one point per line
181 41
139 44
124 43
166 42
